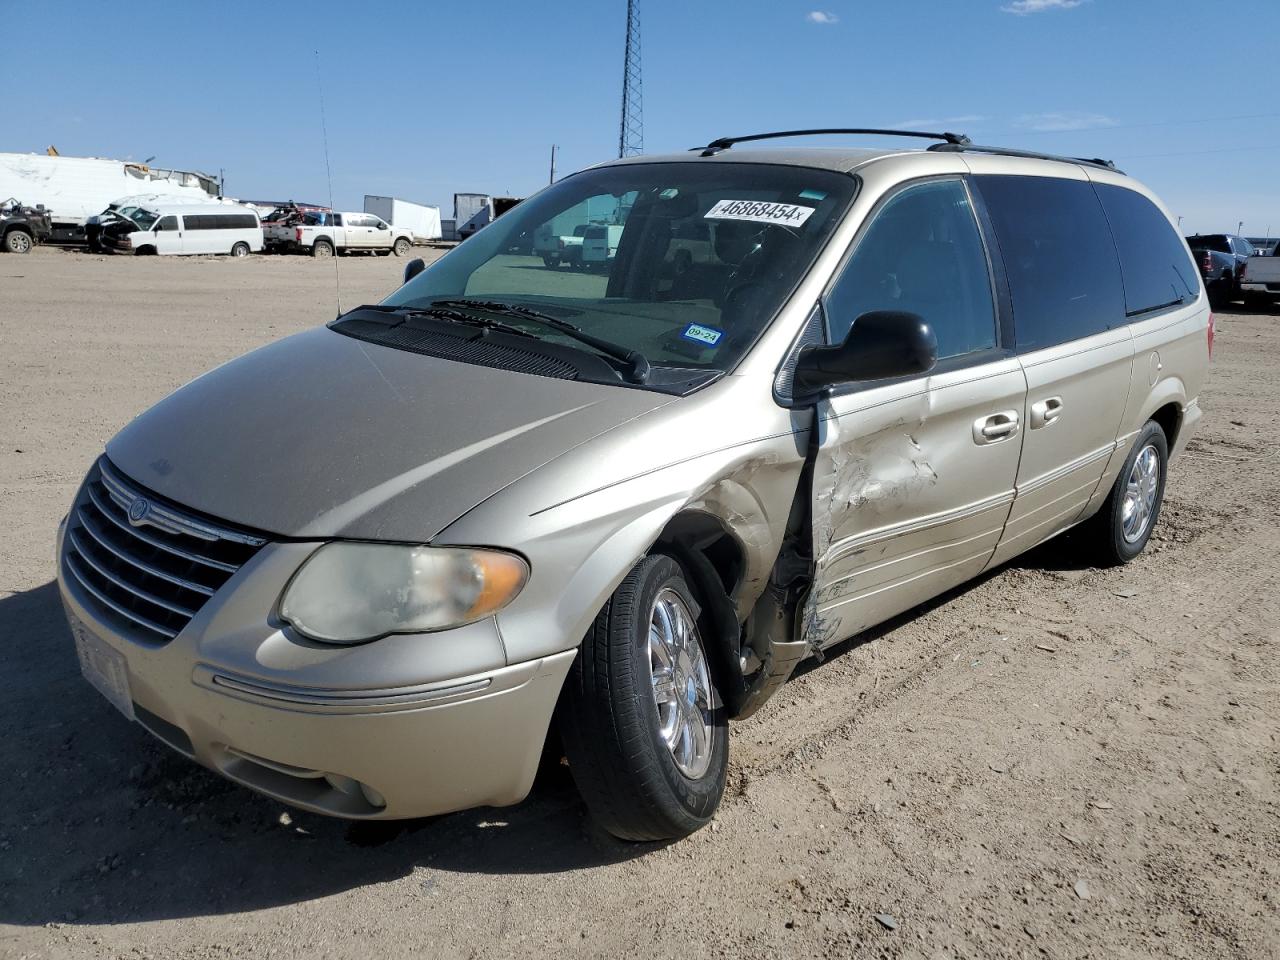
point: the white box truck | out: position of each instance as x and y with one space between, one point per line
73 189
420 219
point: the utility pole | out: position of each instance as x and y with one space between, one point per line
631 129
1240 229
553 164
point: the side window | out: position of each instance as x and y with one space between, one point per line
336 220
1157 272
1064 276
922 254
167 223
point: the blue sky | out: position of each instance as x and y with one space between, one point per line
429 98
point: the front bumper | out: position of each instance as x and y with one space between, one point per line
404 727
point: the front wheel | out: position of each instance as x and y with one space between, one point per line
643 727
401 247
18 241
240 250
1121 529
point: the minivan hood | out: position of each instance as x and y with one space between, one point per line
321 435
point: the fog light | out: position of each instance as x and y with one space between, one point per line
350 787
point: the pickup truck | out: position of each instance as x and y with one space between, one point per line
555 249
326 234
21 228
1221 258
1260 277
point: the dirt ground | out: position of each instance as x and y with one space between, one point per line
1055 760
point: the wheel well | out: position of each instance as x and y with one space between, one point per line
715 563
1169 417
694 532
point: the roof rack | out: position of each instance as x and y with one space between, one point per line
967 147
724 143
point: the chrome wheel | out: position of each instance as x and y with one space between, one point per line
1140 494
682 689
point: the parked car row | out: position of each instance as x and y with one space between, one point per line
1233 268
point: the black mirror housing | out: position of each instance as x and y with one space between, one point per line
880 345
413 268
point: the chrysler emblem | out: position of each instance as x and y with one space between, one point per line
138 511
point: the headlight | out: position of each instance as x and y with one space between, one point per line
351 592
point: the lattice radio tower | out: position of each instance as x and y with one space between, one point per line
631 131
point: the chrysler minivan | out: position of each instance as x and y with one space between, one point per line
367 569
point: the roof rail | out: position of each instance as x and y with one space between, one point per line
724 143
967 147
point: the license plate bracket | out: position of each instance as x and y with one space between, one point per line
103 667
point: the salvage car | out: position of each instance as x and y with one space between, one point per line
364 569
22 227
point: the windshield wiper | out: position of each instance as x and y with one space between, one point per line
455 316
636 360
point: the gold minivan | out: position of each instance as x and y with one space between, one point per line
364 569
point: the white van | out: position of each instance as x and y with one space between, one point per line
192 228
600 244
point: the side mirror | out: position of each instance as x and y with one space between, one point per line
413 268
880 344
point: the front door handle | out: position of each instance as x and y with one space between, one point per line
996 427
1044 412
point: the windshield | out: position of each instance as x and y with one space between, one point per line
145 219
685 263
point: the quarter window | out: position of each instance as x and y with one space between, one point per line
1064 277
1157 271
922 254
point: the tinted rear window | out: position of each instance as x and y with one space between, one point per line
220 221
1064 277
1157 271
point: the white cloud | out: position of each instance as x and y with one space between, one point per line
1069 120
821 16
924 124
1024 7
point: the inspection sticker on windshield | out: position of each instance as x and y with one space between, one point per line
707 336
759 211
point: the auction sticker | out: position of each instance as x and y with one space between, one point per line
707 336
760 211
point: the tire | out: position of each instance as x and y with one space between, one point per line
1117 537
240 249
322 249
550 261
18 241
636 785
401 247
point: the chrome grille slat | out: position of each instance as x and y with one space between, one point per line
146 562
167 519
137 591
152 541
104 542
111 604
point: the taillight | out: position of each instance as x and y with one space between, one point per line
297 233
1211 336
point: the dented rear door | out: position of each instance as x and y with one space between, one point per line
913 479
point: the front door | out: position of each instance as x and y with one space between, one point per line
168 235
914 478
1073 340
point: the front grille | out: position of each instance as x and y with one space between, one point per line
147 565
